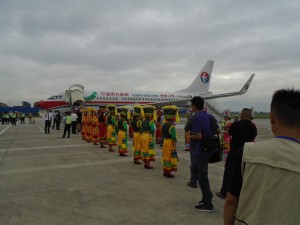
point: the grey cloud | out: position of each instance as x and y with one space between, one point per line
148 45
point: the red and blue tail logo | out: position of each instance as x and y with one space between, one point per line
204 77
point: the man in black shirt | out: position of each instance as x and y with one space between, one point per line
242 131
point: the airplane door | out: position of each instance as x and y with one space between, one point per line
75 95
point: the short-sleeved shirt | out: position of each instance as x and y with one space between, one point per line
242 131
201 123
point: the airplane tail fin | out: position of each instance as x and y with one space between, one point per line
202 80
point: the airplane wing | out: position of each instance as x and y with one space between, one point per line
241 92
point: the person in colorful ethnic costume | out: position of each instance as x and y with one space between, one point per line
136 125
158 125
122 127
89 123
83 123
102 126
95 127
129 123
148 129
226 136
169 153
111 127
187 129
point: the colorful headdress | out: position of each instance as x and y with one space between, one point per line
102 108
226 113
123 110
112 109
90 110
171 112
149 110
138 110
83 110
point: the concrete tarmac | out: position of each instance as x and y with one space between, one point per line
45 179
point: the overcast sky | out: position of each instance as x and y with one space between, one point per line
45 46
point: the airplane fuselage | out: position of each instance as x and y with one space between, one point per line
96 99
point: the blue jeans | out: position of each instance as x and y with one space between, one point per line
194 173
200 161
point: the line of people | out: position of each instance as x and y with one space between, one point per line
12 117
112 129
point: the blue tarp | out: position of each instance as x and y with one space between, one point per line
19 109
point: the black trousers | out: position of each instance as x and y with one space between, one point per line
74 126
54 123
229 167
67 129
57 124
47 126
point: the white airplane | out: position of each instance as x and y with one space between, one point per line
76 95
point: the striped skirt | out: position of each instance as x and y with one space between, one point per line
169 156
111 135
137 142
122 142
148 152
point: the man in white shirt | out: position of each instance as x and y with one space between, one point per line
48 118
74 122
